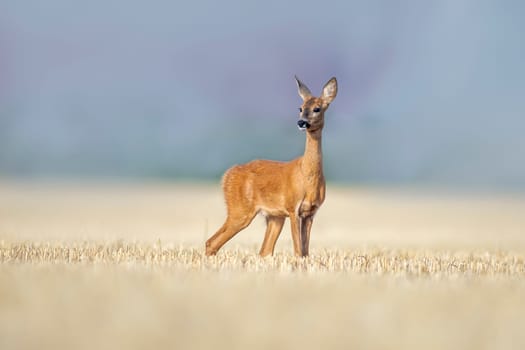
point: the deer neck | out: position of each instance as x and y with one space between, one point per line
312 163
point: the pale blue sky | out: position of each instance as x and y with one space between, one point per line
429 92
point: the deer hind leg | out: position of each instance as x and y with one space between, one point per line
295 223
274 225
232 226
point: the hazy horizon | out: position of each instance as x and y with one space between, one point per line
429 93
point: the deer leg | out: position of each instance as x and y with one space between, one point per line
306 226
231 227
274 225
296 234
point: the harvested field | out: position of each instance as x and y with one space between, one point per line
121 265
396 262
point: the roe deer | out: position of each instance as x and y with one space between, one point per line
279 189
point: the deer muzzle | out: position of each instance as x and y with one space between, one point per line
303 124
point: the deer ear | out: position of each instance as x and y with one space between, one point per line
329 91
304 92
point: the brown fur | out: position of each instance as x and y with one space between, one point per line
294 189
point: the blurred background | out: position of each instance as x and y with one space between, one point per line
430 92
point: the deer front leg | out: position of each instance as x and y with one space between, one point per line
306 226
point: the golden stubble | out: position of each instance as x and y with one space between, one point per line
122 266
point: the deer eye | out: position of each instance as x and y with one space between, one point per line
317 110
300 109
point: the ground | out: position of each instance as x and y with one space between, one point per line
122 265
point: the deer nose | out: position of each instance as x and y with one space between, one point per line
303 124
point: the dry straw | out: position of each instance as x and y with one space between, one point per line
373 261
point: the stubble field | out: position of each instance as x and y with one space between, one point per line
122 266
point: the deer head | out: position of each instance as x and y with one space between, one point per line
311 112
